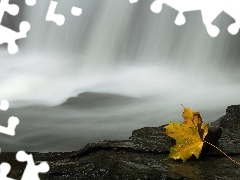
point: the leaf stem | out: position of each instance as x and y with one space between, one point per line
222 152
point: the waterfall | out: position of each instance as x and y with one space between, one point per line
143 64
121 48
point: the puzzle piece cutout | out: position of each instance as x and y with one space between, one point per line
12 124
76 11
12 9
30 2
59 19
12 121
7 35
4 170
133 1
10 130
209 10
4 105
31 171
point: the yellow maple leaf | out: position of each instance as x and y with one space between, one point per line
189 115
189 135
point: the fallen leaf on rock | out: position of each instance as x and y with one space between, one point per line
188 140
189 135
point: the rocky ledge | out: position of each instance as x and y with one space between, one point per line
144 156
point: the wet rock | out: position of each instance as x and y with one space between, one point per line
213 135
143 156
230 125
232 118
119 164
144 140
229 142
97 100
216 123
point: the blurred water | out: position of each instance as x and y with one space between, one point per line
119 48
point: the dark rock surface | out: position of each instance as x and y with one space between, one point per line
96 100
143 156
232 117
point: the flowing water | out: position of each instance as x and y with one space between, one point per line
121 49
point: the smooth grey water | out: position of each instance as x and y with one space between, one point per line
119 48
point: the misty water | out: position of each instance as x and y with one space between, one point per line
144 65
